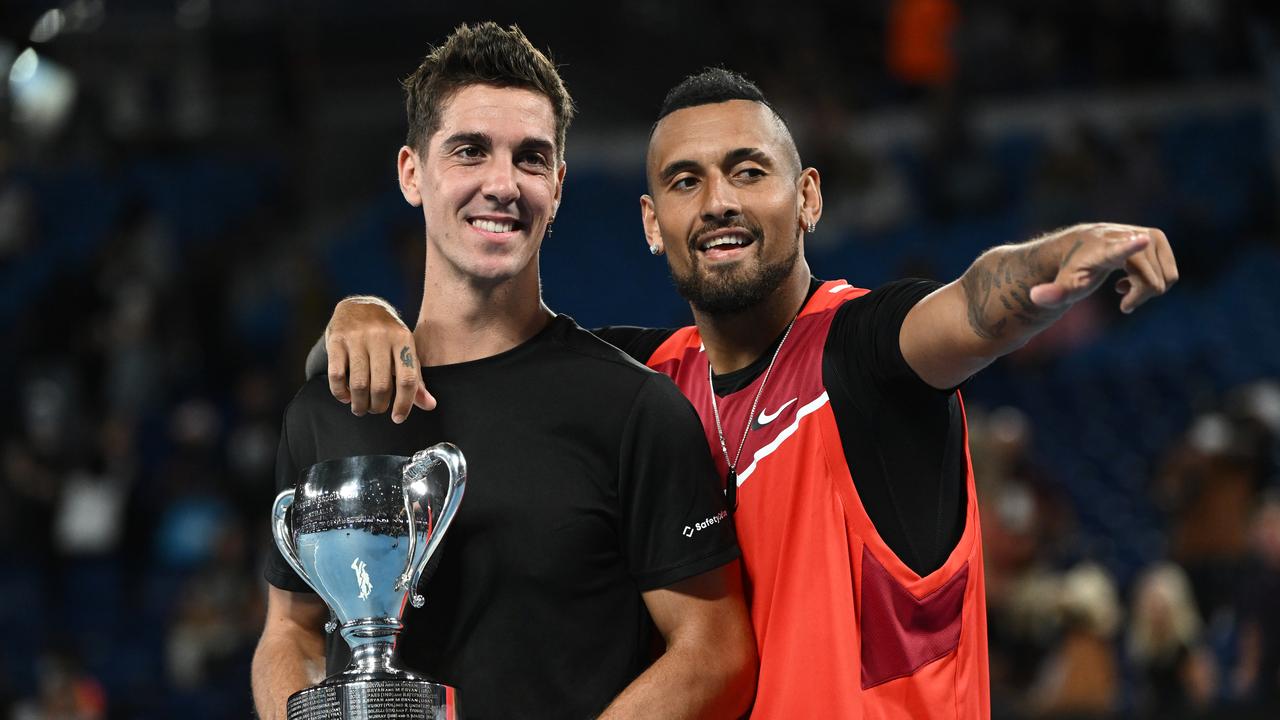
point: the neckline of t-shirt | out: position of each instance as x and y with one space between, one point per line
557 321
732 382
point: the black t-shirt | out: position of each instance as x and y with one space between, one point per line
586 472
904 439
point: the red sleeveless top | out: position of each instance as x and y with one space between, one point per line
843 627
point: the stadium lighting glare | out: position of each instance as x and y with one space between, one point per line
42 93
24 67
48 26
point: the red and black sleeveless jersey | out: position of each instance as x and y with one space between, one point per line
844 628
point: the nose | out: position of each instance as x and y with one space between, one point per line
500 185
720 201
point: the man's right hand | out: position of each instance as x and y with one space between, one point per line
373 362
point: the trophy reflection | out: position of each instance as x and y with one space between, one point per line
361 531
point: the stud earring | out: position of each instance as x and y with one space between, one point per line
653 250
812 227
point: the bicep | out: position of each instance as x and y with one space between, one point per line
908 331
938 342
705 606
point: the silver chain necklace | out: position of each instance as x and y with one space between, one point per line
731 480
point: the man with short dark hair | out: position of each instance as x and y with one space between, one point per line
832 412
592 515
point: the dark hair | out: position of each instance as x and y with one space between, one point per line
482 55
712 85
717 85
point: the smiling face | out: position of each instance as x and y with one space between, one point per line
729 202
488 182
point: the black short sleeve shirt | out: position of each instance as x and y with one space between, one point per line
589 482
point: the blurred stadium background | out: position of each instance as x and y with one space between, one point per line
186 188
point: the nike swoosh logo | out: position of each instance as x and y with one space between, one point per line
766 417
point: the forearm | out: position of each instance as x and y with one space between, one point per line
965 325
701 680
283 664
997 292
1012 292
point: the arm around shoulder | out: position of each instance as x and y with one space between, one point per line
371 359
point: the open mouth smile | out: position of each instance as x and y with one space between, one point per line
495 227
725 244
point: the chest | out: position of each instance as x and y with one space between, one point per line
541 503
746 426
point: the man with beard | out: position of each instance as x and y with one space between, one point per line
833 412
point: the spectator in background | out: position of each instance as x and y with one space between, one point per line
217 617
1175 674
65 692
961 178
1081 678
1257 678
1209 487
920 52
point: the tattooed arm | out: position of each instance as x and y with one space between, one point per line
1012 292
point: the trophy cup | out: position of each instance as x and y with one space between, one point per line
360 531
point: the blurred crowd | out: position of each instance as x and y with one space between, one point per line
1193 633
158 301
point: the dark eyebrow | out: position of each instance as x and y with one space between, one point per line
468 138
676 168
733 157
755 154
537 144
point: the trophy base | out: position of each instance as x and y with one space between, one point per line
382 699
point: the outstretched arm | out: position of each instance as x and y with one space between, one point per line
1012 292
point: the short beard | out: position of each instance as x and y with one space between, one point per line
733 292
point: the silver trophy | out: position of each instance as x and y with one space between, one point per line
361 531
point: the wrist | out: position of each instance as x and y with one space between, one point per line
361 300
370 300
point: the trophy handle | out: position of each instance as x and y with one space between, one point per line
284 538
415 471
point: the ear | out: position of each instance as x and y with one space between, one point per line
649 217
555 208
810 197
407 170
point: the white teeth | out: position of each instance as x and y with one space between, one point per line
493 225
734 240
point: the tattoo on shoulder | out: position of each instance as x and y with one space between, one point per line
999 288
405 357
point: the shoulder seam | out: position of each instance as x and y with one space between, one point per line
622 359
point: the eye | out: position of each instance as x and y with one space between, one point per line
684 183
469 152
751 173
536 160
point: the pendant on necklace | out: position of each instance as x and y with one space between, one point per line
731 490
